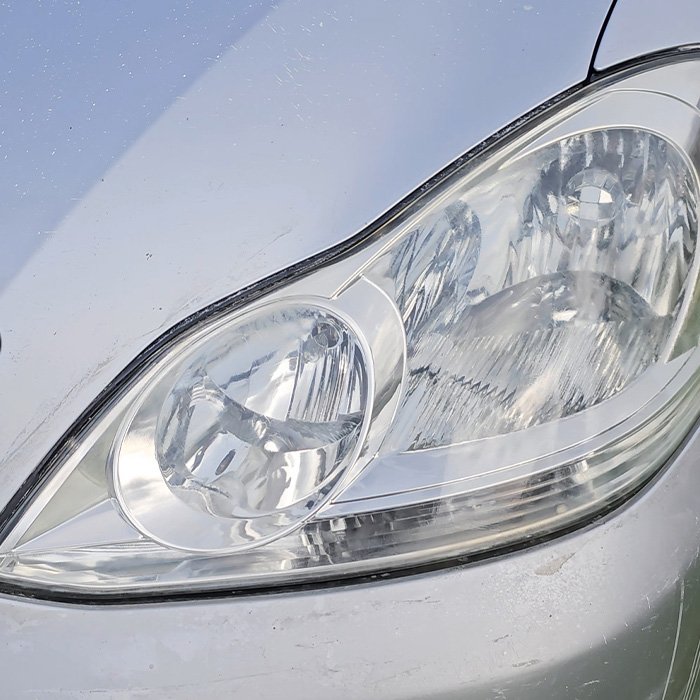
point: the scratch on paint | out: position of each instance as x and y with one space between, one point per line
675 643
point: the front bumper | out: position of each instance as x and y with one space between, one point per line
610 611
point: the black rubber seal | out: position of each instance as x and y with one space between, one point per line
599 39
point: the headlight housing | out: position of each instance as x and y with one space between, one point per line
511 355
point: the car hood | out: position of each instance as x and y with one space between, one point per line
155 162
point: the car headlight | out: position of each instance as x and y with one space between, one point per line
511 355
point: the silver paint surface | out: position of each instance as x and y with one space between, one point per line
638 27
612 608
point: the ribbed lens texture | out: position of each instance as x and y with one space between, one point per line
555 284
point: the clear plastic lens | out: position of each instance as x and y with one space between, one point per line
246 433
508 360
590 243
245 438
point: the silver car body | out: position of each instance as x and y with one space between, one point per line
156 161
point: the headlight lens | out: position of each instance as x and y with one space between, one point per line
513 354
244 434
586 255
